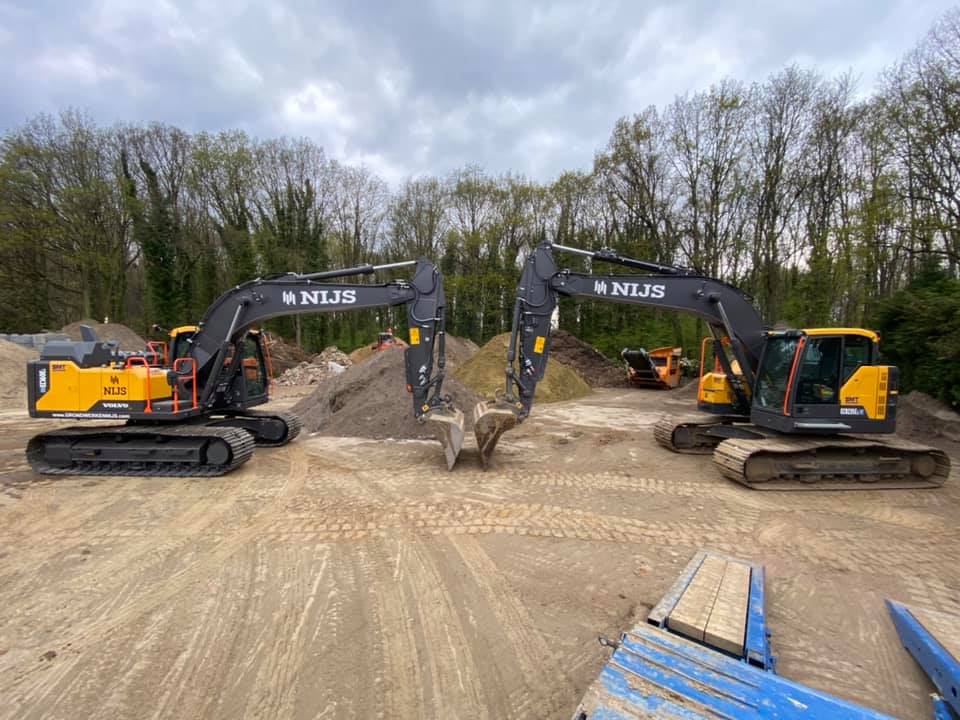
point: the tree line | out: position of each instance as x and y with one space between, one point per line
825 205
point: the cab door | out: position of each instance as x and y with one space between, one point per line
254 370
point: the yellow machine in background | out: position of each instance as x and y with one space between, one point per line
658 369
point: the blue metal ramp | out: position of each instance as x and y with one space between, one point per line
654 674
934 641
704 652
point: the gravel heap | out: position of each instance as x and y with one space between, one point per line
13 375
128 339
369 399
321 367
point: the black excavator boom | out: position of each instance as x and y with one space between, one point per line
194 415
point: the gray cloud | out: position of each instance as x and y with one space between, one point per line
424 86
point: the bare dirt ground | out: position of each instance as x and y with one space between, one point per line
345 578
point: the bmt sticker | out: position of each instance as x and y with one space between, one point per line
58 367
414 336
538 345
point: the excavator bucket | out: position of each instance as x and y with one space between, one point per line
449 427
490 421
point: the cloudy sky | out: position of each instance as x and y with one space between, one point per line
411 87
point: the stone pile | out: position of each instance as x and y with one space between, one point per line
320 368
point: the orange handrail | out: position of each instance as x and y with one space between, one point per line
793 372
269 361
177 364
140 360
703 354
154 346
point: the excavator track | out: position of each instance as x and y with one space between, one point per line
685 433
269 429
161 451
836 463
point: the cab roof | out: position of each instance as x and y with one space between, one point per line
815 332
842 331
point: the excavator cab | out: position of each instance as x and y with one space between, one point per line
824 380
180 341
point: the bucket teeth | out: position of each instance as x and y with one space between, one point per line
449 427
490 421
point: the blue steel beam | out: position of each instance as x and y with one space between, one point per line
940 666
654 673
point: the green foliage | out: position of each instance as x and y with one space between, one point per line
920 331
820 204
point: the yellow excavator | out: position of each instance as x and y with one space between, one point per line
186 404
780 409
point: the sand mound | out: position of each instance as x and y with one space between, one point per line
592 365
284 355
483 373
13 375
370 400
921 417
116 332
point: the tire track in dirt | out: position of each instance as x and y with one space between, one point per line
87 632
450 676
536 661
393 628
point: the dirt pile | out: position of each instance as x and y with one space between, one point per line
483 373
369 399
921 417
116 332
368 351
592 365
458 350
284 355
13 375
329 363
689 387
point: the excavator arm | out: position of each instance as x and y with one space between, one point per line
227 321
726 309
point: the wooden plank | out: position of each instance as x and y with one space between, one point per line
945 628
658 616
727 625
692 611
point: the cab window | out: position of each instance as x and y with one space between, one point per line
253 368
774 373
818 379
857 351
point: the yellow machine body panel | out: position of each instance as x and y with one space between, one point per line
867 388
715 390
73 389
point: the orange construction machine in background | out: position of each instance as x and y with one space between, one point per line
658 368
